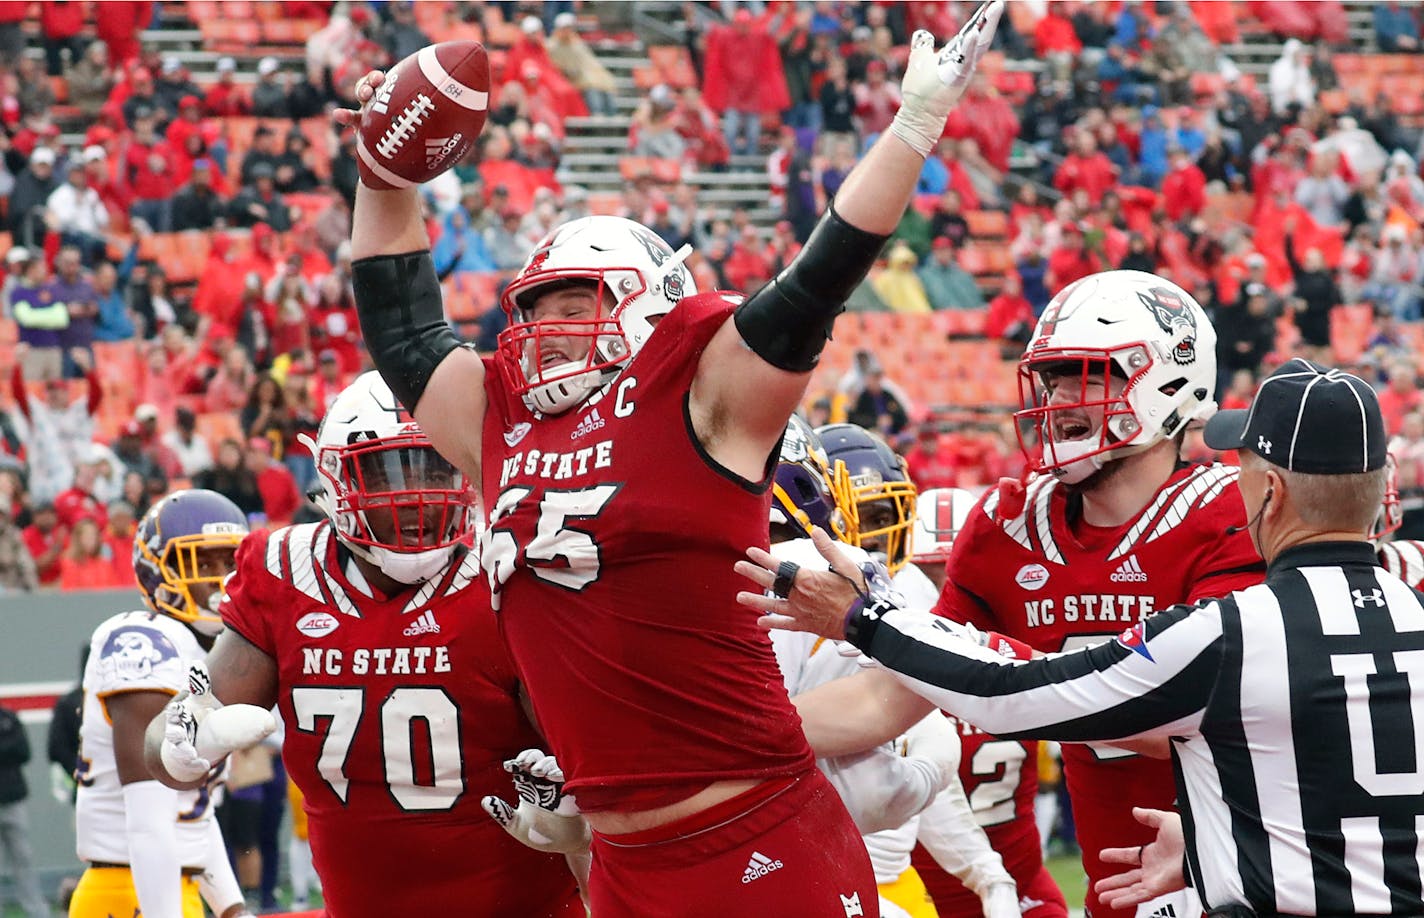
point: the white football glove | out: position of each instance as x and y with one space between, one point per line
933 83
546 819
200 730
1001 901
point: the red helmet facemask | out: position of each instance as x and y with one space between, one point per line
1058 423
1391 515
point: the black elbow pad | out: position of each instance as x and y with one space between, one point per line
403 320
788 322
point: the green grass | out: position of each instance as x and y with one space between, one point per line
1068 871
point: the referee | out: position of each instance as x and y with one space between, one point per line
1290 706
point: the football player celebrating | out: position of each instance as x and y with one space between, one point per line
147 847
1110 527
619 405
371 632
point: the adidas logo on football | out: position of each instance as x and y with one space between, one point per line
759 866
590 422
425 624
1129 571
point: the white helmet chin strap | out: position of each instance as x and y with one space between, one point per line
1076 467
559 395
408 567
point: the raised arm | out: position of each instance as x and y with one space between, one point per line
755 370
403 318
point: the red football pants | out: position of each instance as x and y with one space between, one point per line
787 848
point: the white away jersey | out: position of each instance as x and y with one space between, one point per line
131 652
864 781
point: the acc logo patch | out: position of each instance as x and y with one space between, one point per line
317 624
1032 577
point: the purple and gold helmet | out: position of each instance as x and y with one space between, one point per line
871 485
166 559
801 491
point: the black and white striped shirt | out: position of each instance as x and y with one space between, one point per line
1291 709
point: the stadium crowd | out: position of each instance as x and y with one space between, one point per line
1289 206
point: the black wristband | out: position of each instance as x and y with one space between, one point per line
788 321
403 320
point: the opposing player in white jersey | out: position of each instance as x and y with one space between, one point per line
148 848
891 790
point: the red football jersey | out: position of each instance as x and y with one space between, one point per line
1405 560
610 547
1021 568
1000 778
398 715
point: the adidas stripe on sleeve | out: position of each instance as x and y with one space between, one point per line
1153 680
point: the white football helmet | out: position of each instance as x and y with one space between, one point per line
643 279
939 515
392 499
1138 327
1391 512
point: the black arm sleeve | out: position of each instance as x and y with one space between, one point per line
402 320
788 321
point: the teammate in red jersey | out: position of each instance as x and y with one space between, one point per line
1112 525
1000 777
371 632
1404 559
619 406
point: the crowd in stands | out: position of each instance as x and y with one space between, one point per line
177 283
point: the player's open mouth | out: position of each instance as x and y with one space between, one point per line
1071 429
552 358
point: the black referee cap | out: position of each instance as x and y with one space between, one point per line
1307 418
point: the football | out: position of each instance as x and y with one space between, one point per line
425 116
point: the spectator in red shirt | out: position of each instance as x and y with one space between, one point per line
1070 261
87 563
1010 315
1400 397
78 502
743 79
45 539
225 99
117 23
987 118
329 381
1086 168
280 498
147 166
930 465
118 537
61 23
1184 188
876 100
1054 34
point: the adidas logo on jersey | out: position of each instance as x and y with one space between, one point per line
590 422
1129 571
1166 911
425 624
759 866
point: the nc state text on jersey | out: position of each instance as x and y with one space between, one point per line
557 466
1090 607
395 661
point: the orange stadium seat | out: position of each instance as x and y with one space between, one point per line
216 426
987 223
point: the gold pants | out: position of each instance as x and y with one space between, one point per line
108 892
909 893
